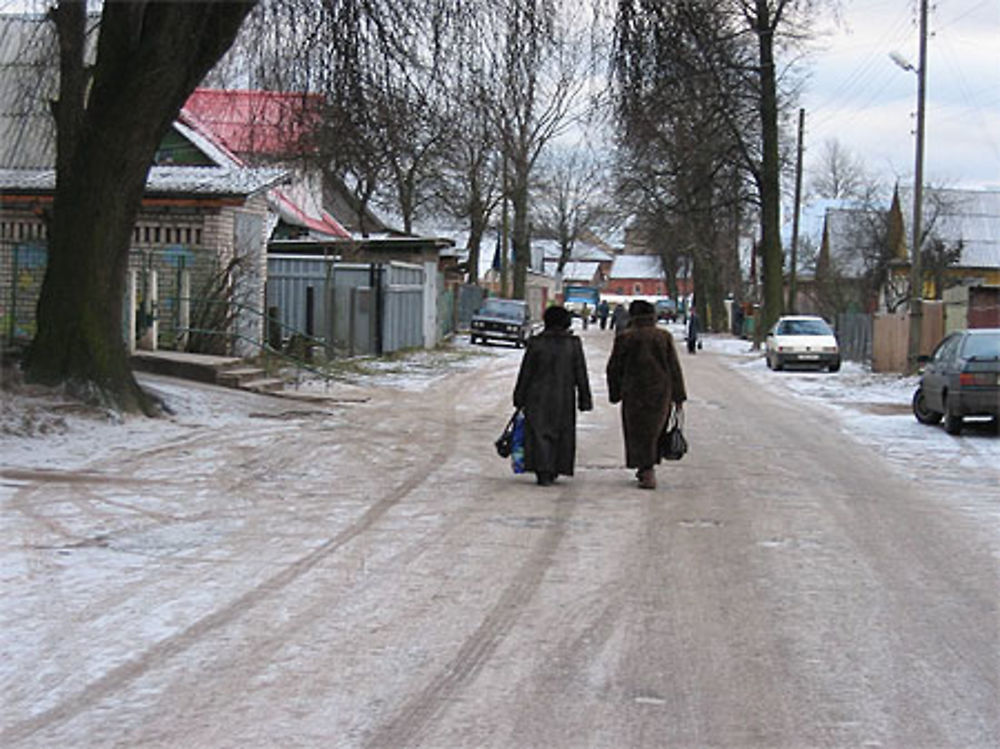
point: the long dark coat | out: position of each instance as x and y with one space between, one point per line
551 384
644 373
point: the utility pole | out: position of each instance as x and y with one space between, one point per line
505 236
792 279
916 269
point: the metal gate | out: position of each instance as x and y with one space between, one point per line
355 308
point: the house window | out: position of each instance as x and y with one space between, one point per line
638 288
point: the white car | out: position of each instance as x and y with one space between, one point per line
803 340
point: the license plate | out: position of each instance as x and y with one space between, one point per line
809 357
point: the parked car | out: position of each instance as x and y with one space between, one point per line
666 309
502 320
803 340
961 378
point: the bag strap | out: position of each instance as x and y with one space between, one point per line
676 418
513 416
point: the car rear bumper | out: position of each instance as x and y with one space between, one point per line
979 401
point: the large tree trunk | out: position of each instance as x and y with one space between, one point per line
770 185
150 58
521 239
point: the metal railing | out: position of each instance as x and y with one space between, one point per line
263 347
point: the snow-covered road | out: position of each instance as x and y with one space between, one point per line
821 570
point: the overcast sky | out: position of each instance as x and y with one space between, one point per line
857 95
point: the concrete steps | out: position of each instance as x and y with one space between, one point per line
249 378
227 371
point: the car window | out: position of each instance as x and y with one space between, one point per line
804 327
947 348
504 308
984 346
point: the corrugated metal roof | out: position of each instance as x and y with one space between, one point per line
27 84
257 123
969 216
637 266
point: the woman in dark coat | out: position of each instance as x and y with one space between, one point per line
551 385
644 373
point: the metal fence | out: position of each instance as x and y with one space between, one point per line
470 299
356 308
854 334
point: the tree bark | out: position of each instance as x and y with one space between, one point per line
150 57
770 178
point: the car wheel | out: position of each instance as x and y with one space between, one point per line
952 419
472 340
778 364
767 360
921 411
834 365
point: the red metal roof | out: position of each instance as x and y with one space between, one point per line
257 123
245 124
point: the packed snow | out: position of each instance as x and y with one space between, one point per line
39 428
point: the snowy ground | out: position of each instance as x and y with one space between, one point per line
199 580
40 429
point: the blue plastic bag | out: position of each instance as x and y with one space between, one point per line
517 445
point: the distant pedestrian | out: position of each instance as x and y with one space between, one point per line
551 384
693 326
619 319
603 310
644 374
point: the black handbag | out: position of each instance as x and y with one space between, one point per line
505 442
673 444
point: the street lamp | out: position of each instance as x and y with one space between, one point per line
916 271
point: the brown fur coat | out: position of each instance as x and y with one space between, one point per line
644 374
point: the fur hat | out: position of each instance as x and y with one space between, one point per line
641 307
557 318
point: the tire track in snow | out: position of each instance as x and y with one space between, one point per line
121 676
418 714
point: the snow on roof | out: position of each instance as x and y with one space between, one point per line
194 180
581 250
637 266
574 270
972 216
811 218
325 224
846 232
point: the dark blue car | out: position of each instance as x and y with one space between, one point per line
961 378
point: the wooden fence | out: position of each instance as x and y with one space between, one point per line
891 335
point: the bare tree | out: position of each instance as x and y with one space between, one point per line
684 139
539 69
573 196
740 43
470 184
839 174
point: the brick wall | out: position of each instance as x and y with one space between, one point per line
170 241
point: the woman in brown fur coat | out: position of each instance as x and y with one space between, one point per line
644 374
